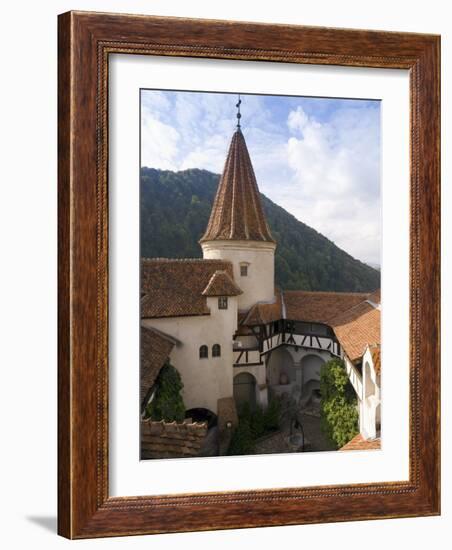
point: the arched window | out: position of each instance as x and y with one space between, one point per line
216 350
203 352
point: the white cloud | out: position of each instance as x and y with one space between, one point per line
210 155
159 143
322 167
335 186
297 120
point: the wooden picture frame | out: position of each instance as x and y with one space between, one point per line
86 40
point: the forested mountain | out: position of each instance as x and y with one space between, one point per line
175 209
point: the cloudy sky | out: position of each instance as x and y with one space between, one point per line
318 158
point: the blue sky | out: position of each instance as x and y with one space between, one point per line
319 158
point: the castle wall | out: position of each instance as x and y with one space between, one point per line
205 380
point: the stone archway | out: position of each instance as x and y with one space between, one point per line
199 414
310 368
244 388
280 367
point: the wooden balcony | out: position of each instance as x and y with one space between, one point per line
310 341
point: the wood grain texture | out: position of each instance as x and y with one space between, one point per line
85 42
64 295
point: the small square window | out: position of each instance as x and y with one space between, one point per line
223 302
243 270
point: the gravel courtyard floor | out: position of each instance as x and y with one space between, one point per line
314 439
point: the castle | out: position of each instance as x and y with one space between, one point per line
234 337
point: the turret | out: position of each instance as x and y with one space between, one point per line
237 230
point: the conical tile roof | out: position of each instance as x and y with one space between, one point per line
237 212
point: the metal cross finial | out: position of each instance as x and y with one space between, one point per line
239 116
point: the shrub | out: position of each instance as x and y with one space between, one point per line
339 413
242 442
167 404
257 423
252 425
272 416
245 412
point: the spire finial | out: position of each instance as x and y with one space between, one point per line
239 116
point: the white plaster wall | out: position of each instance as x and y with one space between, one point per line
246 342
301 352
354 377
371 402
205 380
259 284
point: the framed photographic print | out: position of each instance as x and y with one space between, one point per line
248 275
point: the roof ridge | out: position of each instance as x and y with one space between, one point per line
349 309
336 292
162 334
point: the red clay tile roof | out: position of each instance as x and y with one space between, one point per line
171 439
356 328
173 288
221 284
237 212
242 330
376 357
320 307
358 443
261 314
154 351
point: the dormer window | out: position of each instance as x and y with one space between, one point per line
223 302
243 270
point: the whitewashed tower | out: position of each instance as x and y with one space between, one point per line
237 230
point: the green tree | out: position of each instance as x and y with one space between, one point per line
167 404
242 442
339 412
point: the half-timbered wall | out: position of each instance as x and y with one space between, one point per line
313 336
